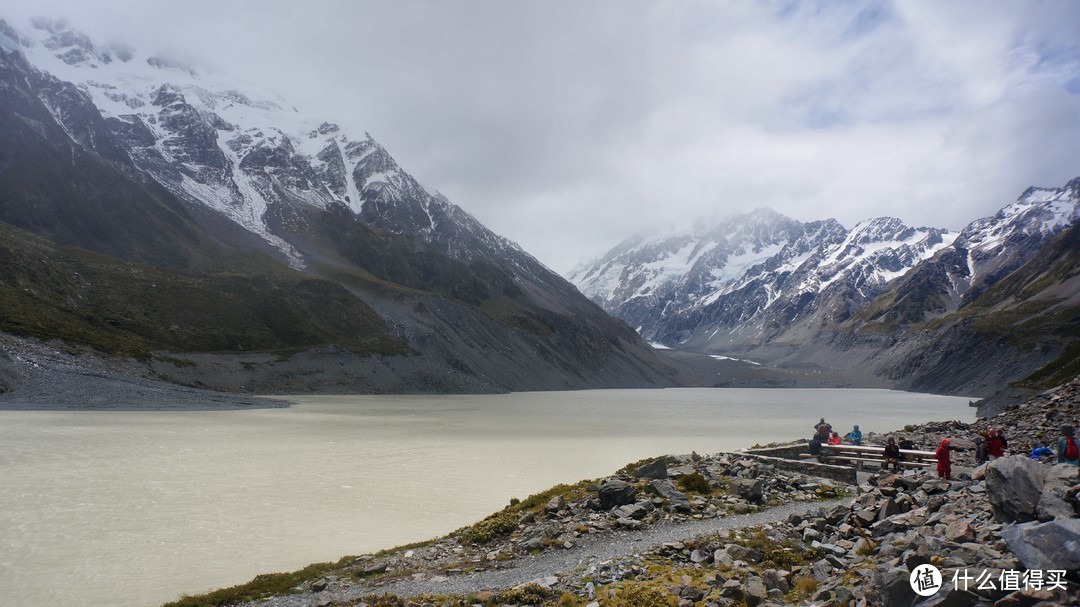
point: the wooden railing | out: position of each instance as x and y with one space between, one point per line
866 454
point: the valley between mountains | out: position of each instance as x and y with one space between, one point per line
163 223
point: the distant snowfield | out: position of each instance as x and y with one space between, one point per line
741 360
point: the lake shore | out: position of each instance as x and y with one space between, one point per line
180 501
53 376
56 376
858 552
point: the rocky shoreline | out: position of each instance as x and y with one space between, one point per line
54 375
728 530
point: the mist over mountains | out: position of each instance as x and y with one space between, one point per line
924 308
158 212
149 209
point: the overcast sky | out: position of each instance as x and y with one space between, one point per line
568 125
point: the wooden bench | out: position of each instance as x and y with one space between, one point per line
867 454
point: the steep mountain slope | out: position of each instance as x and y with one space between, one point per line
1017 335
126 173
985 252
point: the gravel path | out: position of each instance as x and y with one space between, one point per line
590 550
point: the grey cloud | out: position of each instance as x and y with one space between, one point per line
567 126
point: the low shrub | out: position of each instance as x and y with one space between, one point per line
494 526
804 586
529 594
694 483
639 595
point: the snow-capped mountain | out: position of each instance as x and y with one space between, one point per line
146 160
984 253
996 245
981 311
754 277
237 151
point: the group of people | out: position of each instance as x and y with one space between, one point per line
988 446
993 444
824 434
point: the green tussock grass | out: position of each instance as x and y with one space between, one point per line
505 522
694 483
262 586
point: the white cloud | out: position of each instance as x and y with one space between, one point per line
566 126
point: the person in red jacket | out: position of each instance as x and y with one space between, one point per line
944 461
995 444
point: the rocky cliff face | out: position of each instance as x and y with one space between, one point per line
276 221
983 254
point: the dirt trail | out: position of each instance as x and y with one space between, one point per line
591 550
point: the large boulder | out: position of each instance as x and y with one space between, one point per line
750 489
656 469
615 492
678 500
1053 545
742 553
1058 500
755 593
893 586
1015 486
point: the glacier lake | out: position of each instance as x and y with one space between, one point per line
136 508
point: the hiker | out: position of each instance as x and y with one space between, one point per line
834 439
980 451
892 454
855 436
815 446
905 445
944 461
996 444
1068 451
822 431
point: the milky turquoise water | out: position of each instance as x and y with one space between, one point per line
134 508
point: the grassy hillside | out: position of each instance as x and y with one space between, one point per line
50 291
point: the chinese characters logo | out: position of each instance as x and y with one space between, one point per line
925 580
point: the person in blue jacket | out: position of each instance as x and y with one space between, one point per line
855 436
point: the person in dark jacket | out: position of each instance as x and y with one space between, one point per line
980 451
905 445
892 454
822 431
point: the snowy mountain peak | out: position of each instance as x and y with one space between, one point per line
752 271
1037 213
239 151
762 276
